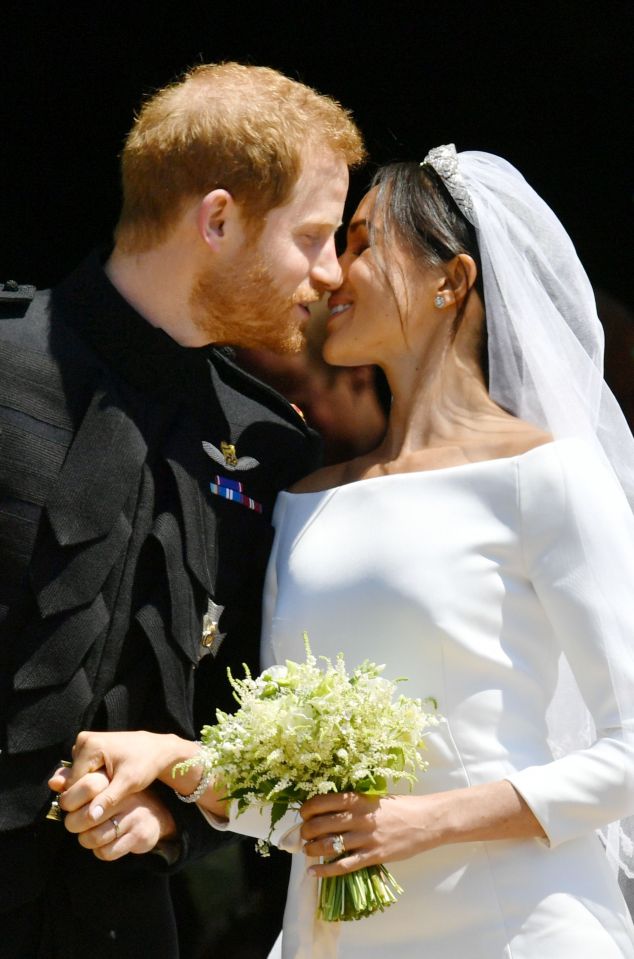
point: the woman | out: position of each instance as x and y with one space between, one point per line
486 537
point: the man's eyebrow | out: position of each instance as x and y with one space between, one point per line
321 224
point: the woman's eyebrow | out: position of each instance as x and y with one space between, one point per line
356 224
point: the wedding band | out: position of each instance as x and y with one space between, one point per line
338 846
115 823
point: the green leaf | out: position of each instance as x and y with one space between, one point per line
278 810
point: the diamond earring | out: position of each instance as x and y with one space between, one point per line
439 301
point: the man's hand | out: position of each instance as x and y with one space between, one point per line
136 824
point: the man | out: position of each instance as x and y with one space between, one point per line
138 470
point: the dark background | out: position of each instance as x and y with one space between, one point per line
547 85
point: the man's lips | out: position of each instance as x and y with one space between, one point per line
305 304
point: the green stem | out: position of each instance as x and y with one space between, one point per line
357 894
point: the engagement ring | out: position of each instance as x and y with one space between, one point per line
338 845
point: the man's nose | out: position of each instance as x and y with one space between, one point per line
327 272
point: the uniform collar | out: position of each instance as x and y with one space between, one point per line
142 354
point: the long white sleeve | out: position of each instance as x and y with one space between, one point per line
578 542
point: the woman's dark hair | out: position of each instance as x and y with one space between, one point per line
414 207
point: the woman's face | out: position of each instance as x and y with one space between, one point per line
376 312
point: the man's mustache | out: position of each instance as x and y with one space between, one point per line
306 298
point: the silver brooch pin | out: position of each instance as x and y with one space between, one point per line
226 456
211 638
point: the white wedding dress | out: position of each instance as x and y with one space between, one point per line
471 581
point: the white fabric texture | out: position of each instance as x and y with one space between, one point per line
546 366
472 581
255 822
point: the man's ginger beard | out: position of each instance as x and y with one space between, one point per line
243 307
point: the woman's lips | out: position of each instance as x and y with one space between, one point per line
335 312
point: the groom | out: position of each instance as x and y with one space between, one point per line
138 471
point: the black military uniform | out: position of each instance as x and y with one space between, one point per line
128 550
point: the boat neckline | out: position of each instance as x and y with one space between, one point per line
435 472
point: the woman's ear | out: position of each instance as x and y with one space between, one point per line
216 211
459 276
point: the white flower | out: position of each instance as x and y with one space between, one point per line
326 787
310 728
274 674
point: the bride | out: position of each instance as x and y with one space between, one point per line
485 550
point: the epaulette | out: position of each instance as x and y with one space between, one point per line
12 292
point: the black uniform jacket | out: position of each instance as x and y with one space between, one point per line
115 533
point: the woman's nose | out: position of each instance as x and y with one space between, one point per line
344 265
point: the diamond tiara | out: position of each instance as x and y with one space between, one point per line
444 160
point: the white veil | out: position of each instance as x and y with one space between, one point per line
545 364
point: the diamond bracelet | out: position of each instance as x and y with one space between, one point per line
200 789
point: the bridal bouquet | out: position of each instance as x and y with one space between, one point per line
303 729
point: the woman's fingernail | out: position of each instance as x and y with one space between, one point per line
96 813
311 871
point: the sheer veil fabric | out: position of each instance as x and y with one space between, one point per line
546 367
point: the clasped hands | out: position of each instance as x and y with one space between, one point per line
108 798
110 805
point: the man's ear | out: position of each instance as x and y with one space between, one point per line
216 214
460 275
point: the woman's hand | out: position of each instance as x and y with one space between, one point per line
131 761
397 827
373 830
